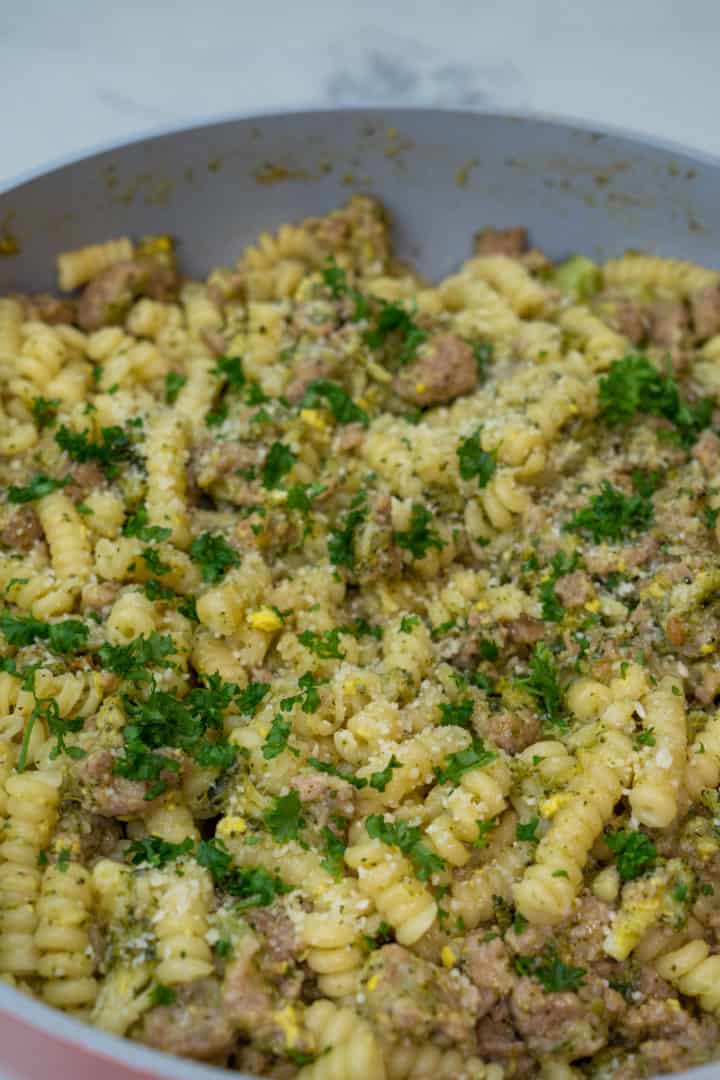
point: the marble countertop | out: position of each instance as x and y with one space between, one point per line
77 76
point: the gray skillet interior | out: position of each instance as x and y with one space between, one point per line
441 174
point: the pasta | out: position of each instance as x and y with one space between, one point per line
359 656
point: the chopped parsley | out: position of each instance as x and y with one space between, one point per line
525 830
277 464
612 515
251 697
360 627
326 645
253 887
151 558
408 839
633 384
560 566
644 738
393 323
543 684
341 540
484 830
277 738
155 851
66 636
308 698
334 851
44 411
550 971
341 405
112 447
214 556
408 622
284 818
162 995
131 661
231 368
458 713
635 852
476 462
457 764
419 537
40 486
136 524
174 383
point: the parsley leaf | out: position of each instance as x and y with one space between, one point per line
633 384
214 556
231 367
542 682
612 515
476 462
39 486
112 447
326 645
334 851
162 995
249 700
155 851
635 852
458 713
550 971
332 770
131 661
65 636
380 780
393 321
277 738
457 764
341 540
340 404
151 558
136 525
284 818
525 830
419 537
408 839
360 627
278 463
254 887
44 411
174 383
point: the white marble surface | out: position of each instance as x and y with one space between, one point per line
75 75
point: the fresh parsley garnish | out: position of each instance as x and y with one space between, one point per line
214 556
132 661
40 486
325 645
44 411
456 765
458 713
476 462
341 539
253 887
550 971
633 384
107 452
542 682
634 850
341 405
408 839
155 851
277 738
278 463
136 524
419 537
66 636
284 818
612 515
174 383
525 830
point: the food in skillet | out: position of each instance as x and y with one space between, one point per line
359 656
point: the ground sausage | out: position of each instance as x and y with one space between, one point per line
498 1041
707 450
49 309
488 965
573 590
513 241
445 371
194 1026
705 309
22 530
410 996
513 731
549 1020
668 322
115 796
307 370
629 320
324 796
107 297
525 630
